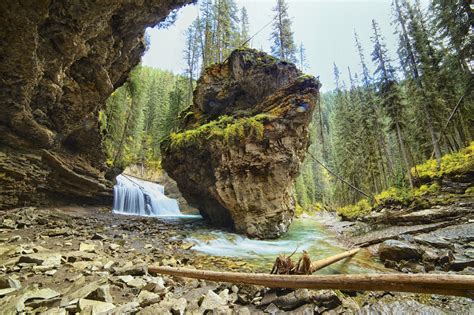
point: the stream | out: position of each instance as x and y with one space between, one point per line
304 234
133 196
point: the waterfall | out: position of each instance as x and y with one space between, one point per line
139 197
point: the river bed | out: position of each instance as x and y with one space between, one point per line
305 234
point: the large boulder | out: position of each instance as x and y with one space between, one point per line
395 250
59 61
242 142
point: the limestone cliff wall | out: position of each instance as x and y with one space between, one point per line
59 61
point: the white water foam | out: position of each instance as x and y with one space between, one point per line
139 197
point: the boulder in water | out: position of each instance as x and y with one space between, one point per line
242 142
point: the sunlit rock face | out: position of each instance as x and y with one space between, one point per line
242 142
59 61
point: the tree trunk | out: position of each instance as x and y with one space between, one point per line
458 285
401 144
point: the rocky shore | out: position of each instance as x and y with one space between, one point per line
89 261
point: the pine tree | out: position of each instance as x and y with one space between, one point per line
452 20
421 61
244 28
302 58
207 30
283 44
374 114
191 55
389 94
226 33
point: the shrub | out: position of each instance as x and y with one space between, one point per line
426 189
360 209
451 164
393 195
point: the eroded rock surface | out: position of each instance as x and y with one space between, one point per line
60 60
242 142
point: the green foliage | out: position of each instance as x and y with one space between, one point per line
360 209
140 114
451 164
283 43
393 195
299 210
424 190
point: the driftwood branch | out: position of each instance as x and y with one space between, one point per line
319 264
458 285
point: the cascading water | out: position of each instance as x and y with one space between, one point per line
139 197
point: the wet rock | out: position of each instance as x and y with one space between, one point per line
243 180
397 250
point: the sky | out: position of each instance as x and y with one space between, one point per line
325 27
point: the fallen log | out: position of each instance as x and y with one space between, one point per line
319 264
457 285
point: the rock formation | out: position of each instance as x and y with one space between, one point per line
59 61
242 142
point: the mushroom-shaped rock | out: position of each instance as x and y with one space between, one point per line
241 143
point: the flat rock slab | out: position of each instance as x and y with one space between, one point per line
393 232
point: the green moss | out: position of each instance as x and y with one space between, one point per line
225 128
451 164
360 209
